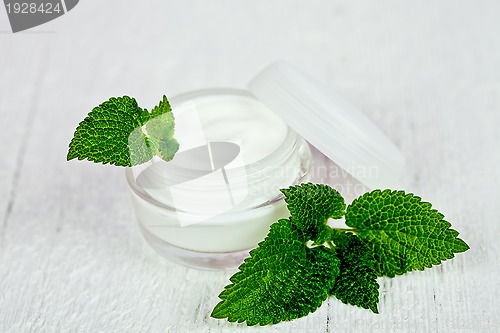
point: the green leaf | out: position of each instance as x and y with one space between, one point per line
161 130
114 133
403 232
357 282
283 279
311 205
324 234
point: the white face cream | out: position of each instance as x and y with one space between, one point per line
220 193
239 119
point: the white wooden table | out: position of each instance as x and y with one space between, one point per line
71 256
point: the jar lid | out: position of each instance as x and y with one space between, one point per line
332 125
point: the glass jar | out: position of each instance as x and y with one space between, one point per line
217 198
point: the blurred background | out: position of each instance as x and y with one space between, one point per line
72 259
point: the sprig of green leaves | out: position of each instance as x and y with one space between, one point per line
285 278
120 132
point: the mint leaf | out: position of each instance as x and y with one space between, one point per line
403 232
113 133
311 205
282 279
357 282
324 234
160 129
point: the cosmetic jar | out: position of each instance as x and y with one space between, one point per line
217 198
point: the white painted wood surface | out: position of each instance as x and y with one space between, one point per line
71 256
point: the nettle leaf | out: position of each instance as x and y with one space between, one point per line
114 133
283 279
357 282
324 234
311 205
160 129
403 232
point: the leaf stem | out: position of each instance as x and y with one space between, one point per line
345 230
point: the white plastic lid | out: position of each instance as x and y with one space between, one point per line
331 124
